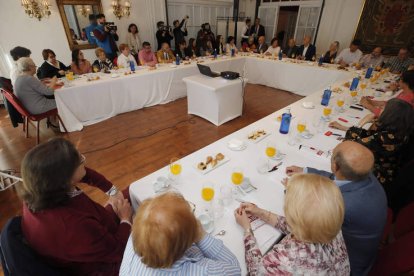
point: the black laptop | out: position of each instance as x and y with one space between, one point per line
205 70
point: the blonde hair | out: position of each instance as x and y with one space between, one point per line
98 51
24 64
164 228
314 208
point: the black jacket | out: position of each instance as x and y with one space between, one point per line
291 52
47 70
309 53
179 34
261 31
163 36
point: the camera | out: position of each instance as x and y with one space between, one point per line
111 26
187 17
165 28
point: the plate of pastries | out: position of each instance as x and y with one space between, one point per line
211 162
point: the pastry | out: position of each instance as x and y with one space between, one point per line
219 157
213 163
209 159
202 166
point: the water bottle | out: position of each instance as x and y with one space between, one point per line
177 59
320 61
132 66
232 52
280 54
215 53
326 96
286 118
369 72
354 84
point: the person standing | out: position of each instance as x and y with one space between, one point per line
133 40
257 30
105 37
179 34
89 29
163 34
245 33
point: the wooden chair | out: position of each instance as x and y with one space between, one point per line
30 117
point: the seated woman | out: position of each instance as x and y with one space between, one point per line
125 58
249 46
330 55
273 49
314 212
103 63
407 94
167 239
231 46
79 64
219 45
35 96
207 50
64 225
386 137
190 51
51 67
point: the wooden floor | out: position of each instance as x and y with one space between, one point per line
132 145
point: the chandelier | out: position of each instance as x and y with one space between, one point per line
36 8
84 10
120 10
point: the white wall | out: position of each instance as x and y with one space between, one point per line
20 30
248 7
339 22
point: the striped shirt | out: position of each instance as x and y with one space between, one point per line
207 257
397 65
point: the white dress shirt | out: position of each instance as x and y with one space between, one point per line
245 32
273 51
305 49
349 57
123 61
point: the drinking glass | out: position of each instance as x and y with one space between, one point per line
270 150
175 169
207 192
354 94
340 103
237 176
327 110
96 69
301 126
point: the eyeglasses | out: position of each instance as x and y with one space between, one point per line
82 159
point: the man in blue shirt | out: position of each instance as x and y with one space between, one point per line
89 29
105 38
364 198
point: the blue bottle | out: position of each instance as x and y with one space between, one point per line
177 59
280 55
326 96
232 52
369 72
285 124
354 84
132 66
320 61
215 53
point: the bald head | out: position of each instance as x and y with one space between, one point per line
351 161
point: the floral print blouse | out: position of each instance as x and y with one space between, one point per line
386 147
294 257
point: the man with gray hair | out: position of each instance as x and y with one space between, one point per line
364 198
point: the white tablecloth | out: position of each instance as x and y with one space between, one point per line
215 99
87 103
270 193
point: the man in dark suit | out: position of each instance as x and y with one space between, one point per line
306 51
257 30
261 45
365 202
291 50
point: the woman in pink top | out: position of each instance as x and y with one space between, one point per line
407 94
146 56
79 64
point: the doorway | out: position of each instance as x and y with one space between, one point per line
286 24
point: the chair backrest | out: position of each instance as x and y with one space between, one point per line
15 102
17 257
115 61
404 223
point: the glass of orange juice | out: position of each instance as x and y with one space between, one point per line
354 94
175 169
270 150
207 192
340 103
237 176
327 110
69 75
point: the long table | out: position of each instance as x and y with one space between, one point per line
89 102
270 192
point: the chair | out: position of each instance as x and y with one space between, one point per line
115 61
30 117
17 258
387 229
404 222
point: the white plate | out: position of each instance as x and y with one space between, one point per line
173 65
258 139
210 168
236 145
279 156
308 105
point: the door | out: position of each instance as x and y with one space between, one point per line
268 18
307 22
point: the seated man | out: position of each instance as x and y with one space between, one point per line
180 51
165 55
364 198
306 51
261 46
146 56
350 55
400 63
375 59
291 50
125 58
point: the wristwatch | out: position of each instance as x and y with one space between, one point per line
113 191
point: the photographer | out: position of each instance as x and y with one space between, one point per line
106 36
178 33
163 34
204 35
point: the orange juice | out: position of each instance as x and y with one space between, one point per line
340 102
175 169
301 127
270 151
207 193
363 85
237 178
327 111
69 76
354 93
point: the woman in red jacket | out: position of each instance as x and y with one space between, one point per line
64 225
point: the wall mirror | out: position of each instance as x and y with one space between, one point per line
75 19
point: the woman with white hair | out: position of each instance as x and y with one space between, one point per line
32 93
314 212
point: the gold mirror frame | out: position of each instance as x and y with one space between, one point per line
60 4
